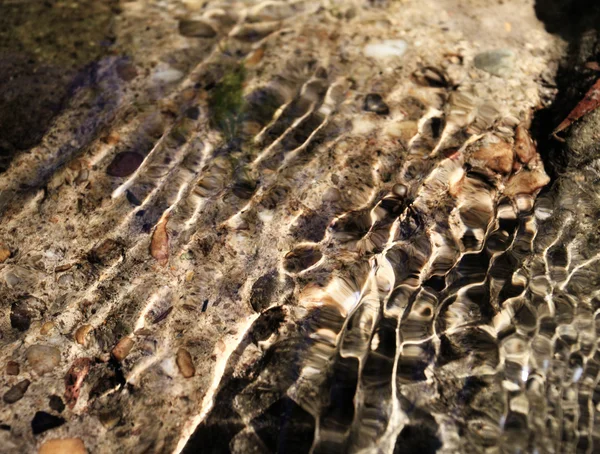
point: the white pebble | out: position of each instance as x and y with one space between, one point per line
385 49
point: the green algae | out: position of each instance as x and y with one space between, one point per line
227 102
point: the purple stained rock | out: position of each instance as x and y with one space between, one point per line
124 164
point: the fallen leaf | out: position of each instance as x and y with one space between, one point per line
159 247
524 145
74 380
4 253
590 102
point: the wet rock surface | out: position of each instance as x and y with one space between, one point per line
313 226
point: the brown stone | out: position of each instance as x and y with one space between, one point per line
63 446
81 334
16 392
123 348
12 368
185 363
124 164
46 328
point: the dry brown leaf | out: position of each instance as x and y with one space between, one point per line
74 380
590 102
159 247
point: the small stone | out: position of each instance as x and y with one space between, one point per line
43 358
374 103
24 311
61 268
12 368
63 446
16 392
109 420
185 363
46 328
43 421
386 49
166 75
400 190
124 164
123 348
497 62
196 29
81 334
193 113
126 71
4 253
263 290
56 403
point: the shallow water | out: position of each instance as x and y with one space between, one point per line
310 226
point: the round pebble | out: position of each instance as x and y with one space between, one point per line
185 363
43 358
63 446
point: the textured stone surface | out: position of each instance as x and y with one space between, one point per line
309 226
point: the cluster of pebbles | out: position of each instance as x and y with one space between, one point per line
297 226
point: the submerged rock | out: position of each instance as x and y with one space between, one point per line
43 358
497 62
16 392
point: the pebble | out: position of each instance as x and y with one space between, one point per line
12 279
196 29
185 363
43 421
124 164
63 446
23 311
374 103
43 358
126 71
385 49
12 368
166 75
16 392
109 420
497 62
123 348
400 190
46 328
56 403
81 334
